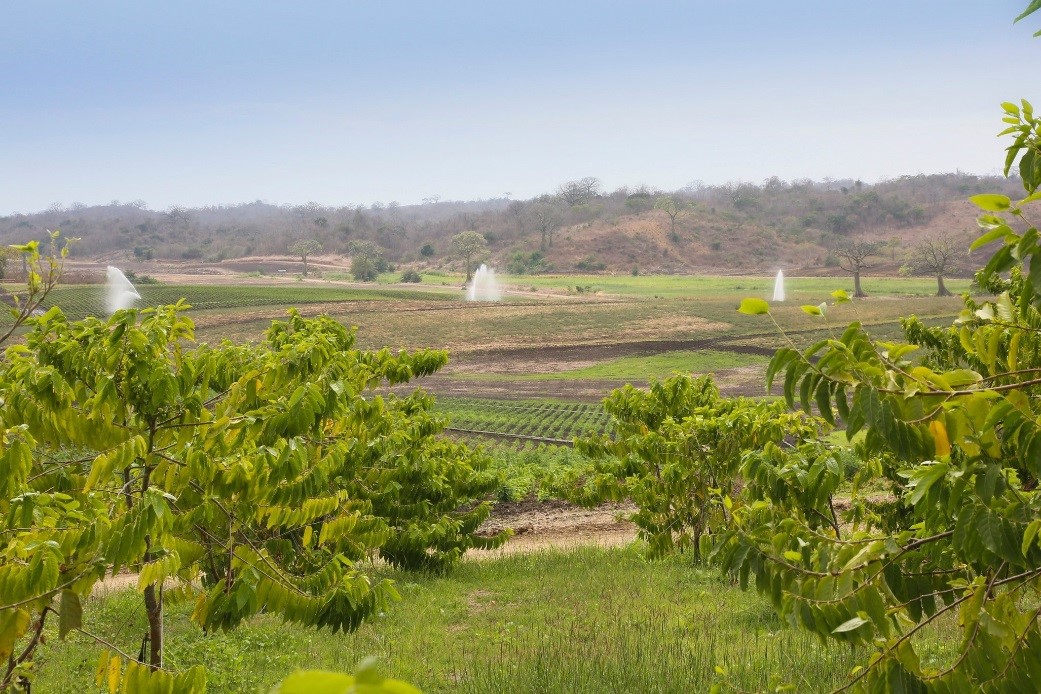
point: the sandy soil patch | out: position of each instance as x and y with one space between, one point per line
557 524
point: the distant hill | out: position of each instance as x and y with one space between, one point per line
738 227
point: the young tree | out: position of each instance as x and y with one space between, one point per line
668 205
469 245
305 248
366 260
853 258
675 450
935 256
244 478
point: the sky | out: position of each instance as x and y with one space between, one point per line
206 103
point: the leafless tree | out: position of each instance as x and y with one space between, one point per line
853 257
547 218
581 191
935 256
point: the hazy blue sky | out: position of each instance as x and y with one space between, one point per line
351 102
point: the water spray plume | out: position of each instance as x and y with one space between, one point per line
119 292
779 286
484 286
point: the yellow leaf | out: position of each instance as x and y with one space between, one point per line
113 674
939 432
13 625
99 674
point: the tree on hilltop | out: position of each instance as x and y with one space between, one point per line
668 205
547 218
580 191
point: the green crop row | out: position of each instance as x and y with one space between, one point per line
537 418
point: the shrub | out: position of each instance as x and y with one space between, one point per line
591 264
411 276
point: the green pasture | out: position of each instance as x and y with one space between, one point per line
687 286
585 620
657 366
78 301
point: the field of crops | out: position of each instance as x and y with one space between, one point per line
89 300
536 419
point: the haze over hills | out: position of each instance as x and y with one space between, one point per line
738 227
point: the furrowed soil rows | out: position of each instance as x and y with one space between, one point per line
532 418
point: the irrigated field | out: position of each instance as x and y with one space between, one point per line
574 338
526 377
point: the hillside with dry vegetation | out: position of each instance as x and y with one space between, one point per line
742 227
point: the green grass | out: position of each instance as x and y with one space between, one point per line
678 286
657 366
589 620
83 300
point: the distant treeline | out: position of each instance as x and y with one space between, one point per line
699 220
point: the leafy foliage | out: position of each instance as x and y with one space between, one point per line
951 419
366 680
41 277
469 245
675 453
246 478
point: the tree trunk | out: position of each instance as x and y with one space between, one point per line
469 272
941 289
154 612
542 246
305 265
857 291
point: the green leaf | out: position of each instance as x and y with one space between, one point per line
925 477
754 307
849 625
991 236
992 202
70 613
1029 535
1033 7
840 296
812 310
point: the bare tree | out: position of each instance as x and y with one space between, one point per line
853 257
546 218
935 256
305 248
581 191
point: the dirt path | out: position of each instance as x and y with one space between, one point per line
536 525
